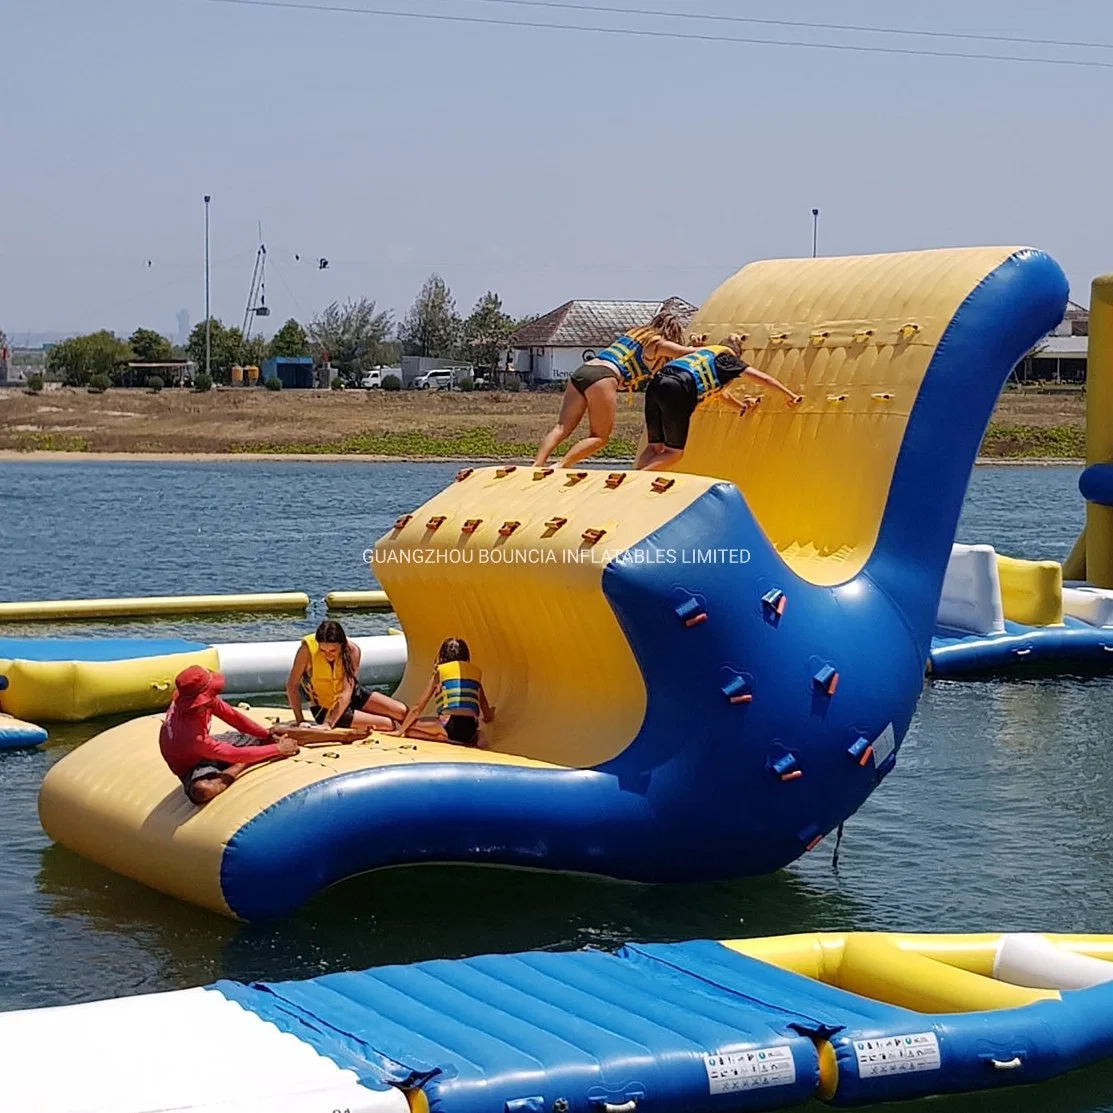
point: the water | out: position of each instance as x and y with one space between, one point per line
996 818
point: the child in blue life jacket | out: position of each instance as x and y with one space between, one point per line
684 384
461 700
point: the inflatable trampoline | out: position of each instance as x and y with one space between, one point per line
74 679
698 674
676 1027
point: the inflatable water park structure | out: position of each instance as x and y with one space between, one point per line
698 1027
999 614
698 675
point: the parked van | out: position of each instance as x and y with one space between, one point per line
441 378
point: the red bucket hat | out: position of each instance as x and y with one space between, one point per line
196 686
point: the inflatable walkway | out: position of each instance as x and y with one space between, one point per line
697 674
999 615
74 679
697 1027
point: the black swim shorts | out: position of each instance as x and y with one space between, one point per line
670 401
360 696
462 729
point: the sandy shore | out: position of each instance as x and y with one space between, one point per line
12 455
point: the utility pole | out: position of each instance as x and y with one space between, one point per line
815 232
208 313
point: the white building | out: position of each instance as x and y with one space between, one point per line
552 347
1062 356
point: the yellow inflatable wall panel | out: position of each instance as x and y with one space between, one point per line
555 663
1031 590
855 336
72 691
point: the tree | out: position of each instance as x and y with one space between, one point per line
77 360
486 333
149 346
432 326
352 336
290 340
253 352
226 349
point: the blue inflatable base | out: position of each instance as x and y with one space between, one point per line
1075 645
679 1028
15 734
92 649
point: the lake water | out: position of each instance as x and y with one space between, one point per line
997 817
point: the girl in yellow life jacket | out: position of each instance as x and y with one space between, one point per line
461 700
593 387
685 383
326 671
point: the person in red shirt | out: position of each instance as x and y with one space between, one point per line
205 766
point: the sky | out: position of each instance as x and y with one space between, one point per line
543 164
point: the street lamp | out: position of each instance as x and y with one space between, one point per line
208 313
815 232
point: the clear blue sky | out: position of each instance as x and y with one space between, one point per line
542 164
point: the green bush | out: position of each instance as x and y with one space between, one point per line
514 384
155 383
98 384
466 384
337 384
35 383
203 382
273 383
392 382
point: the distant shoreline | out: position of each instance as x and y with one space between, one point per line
44 456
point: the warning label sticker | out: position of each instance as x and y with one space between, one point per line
750 1070
884 745
897 1055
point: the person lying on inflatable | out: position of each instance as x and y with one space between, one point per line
461 700
681 386
205 766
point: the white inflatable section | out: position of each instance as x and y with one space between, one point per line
193 1051
250 667
971 599
1089 604
1033 961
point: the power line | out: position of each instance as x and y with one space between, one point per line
803 24
643 32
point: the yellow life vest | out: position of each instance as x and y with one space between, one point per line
458 684
326 678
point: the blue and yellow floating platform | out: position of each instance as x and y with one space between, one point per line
697 1027
698 674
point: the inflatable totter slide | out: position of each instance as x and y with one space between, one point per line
74 679
697 674
699 1027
